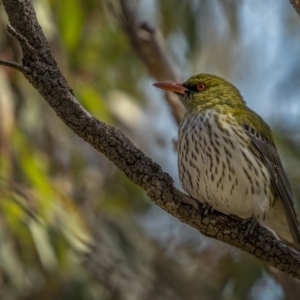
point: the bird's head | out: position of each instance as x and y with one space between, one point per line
204 91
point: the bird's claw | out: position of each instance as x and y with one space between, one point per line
207 208
251 225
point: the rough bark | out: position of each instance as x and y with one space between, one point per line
41 70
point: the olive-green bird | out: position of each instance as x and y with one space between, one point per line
227 156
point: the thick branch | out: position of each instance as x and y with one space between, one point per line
47 79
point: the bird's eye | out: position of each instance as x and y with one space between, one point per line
201 87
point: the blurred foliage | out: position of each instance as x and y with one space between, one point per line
72 225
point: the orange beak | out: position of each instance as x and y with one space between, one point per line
174 87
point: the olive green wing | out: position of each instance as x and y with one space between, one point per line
268 154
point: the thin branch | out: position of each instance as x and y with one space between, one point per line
296 4
149 45
52 85
14 65
291 286
23 42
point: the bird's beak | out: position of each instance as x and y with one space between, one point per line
174 87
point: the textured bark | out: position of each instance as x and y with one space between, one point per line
40 68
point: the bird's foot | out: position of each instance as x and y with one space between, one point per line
207 208
251 225
250 222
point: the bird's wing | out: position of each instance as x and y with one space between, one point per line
269 156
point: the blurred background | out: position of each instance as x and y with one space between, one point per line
72 226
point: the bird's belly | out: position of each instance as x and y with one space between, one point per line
218 167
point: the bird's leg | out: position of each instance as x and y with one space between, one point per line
207 208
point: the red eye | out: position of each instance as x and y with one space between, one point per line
201 87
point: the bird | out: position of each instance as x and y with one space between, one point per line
227 157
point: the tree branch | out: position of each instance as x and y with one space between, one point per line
296 4
51 84
14 65
149 45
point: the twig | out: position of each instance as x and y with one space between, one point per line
296 4
23 42
15 66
